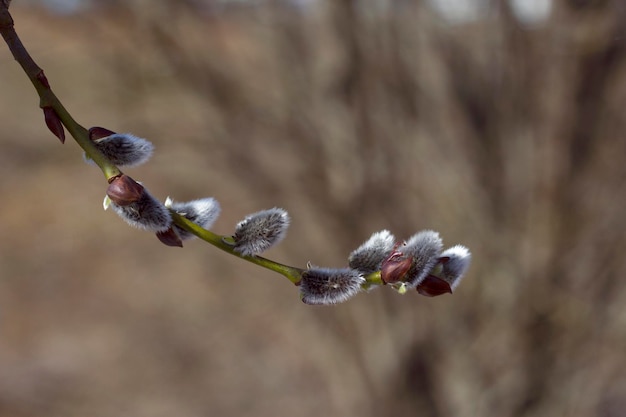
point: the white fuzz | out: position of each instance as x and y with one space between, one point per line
146 214
456 266
260 231
123 149
368 257
329 286
424 247
204 212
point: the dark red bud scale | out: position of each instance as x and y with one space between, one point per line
124 190
96 133
433 286
395 267
54 123
170 238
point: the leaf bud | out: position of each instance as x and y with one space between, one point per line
54 123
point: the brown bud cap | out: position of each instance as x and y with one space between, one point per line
54 123
170 238
124 190
96 133
433 286
395 267
443 260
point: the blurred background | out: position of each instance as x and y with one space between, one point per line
500 124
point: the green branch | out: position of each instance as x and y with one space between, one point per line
47 98
222 242
415 264
225 243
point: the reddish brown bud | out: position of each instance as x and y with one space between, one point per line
124 190
54 123
96 133
433 286
170 238
43 79
395 267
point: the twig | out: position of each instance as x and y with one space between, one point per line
417 263
47 98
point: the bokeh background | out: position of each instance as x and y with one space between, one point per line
501 124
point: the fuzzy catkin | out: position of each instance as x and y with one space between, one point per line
204 212
459 259
124 149
424 248
325 286
146 214
260 231
368 257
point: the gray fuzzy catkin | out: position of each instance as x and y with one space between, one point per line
326 286
124 149
260 231
147 213
424 247
204 212
456 266
368 257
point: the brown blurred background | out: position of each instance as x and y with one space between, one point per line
500 125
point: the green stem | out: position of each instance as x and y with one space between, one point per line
373 279
47 98
81 136
293 274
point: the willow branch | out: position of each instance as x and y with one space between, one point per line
47 98
222 242
417 263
